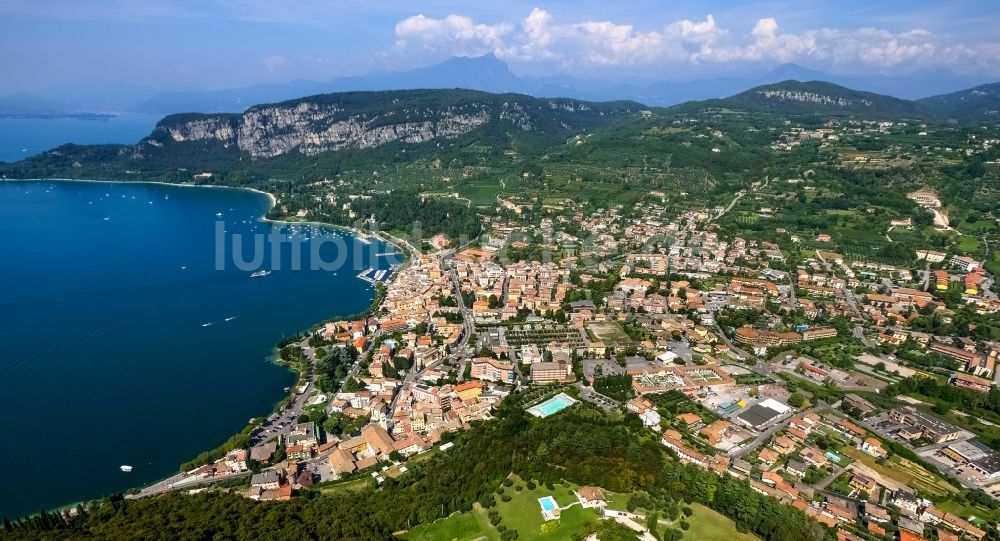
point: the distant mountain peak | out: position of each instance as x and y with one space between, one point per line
487 62
795 72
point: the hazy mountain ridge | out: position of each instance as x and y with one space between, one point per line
485 73
813 97
979 103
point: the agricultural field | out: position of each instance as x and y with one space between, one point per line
905 472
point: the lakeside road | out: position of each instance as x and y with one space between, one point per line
279 422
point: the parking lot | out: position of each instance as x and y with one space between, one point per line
599 400
682 349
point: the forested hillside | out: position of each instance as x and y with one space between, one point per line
585 446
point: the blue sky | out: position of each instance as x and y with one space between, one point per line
227 43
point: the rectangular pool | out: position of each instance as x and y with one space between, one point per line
548 503
552 406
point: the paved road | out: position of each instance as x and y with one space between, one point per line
739 195
468 319
859 333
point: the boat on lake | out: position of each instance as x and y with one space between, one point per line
260 274
126 468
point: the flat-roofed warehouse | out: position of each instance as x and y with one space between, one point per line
761 415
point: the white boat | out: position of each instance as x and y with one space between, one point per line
126 468
260 273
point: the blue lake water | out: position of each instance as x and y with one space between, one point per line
23 137
116 347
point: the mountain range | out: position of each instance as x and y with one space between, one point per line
486 73
319 134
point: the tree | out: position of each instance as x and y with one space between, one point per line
796 400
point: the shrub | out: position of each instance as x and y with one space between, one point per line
531 485
505 497
685 525
508 482
687 511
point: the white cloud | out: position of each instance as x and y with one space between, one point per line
540 39
538 35
605 43
770 44
454 34
706 32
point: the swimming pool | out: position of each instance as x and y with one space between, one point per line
548 503
552 406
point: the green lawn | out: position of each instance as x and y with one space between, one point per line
470 526
967 244
965 511
361 483
994 265
708 524
482 192
524 514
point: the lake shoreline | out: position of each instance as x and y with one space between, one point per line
274 357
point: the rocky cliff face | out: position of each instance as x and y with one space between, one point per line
813 97
219 128
338 121
312 128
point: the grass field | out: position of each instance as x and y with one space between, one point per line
967 244
524 514
471 526
521 513
361 483
708 524
966 511
608 332
704 522
482 192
